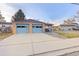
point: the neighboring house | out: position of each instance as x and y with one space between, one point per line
22 25
5 27
5 24
69 27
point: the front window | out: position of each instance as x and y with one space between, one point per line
37 26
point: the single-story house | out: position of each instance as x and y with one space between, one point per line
22 25
5 24
69 27
29 26
5 27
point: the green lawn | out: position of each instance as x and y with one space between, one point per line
69 34
4 35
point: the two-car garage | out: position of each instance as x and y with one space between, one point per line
24 28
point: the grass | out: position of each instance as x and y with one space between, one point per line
4 35
69 34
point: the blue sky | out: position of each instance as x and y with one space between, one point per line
50 12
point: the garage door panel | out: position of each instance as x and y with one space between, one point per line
36 28
22 28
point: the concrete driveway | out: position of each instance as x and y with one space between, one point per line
23 44
33 44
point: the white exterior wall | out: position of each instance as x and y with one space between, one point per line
66 28
6 25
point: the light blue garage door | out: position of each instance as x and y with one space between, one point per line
22 28
36 28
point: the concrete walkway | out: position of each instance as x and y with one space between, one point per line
34 44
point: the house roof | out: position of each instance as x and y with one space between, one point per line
48 24
29 20
5 23
67 25
34 21
73 24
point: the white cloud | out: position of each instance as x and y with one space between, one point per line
7 11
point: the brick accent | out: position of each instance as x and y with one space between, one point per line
43 27
13 28
30 27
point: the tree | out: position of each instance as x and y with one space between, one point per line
2 18
69 21
19 15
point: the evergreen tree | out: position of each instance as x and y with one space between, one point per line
19 15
